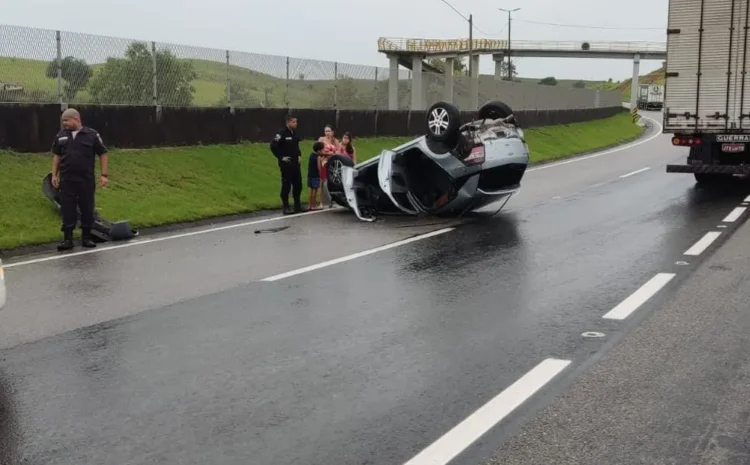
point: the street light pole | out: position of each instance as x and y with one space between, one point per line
510 70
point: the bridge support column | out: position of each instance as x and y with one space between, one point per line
393 83
499 58
416 84
634 83
448 87
474 84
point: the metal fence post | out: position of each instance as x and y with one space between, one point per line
286 92
375 94
153 74
335 84
229 86
59 72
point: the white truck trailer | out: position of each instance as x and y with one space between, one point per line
650 97
707 103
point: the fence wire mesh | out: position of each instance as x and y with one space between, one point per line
47 66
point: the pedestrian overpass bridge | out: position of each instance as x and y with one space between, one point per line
410 54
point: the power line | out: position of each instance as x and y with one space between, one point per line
465 18
594 27
454 9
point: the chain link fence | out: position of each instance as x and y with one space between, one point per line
46 66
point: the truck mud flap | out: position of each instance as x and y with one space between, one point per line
103 230
718 169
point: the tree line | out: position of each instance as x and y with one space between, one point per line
129 80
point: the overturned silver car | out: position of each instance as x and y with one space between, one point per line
451 170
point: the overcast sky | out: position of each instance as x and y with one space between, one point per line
347 30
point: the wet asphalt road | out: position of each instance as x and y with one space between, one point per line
174 352
674 390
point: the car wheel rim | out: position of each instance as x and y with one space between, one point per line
438 121
336 172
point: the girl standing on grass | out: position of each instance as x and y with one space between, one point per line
347 148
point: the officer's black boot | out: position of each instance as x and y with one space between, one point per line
287 210
67 242
297 205
86 240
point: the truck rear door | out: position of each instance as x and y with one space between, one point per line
706 57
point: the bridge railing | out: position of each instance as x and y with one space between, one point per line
437 46
574 46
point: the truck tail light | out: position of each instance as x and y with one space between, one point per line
686 141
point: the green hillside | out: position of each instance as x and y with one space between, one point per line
654 77
248 88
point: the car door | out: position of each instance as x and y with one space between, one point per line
392 181
347 180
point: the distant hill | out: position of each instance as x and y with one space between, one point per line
250 88
654 77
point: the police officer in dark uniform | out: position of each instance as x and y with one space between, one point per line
75 150
285 147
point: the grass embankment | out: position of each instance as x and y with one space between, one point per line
171 185
253 87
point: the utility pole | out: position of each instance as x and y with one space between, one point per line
471 46
510 70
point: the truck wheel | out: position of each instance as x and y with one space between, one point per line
709 178
442 120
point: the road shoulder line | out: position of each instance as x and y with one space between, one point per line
455 441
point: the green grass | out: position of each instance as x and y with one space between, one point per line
555 142
171 185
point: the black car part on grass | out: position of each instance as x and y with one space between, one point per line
103 230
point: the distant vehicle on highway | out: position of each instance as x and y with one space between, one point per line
2 285
707 101
453 169
650 97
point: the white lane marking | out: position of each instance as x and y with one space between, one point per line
702 244
747 199
240 225
455 441
606 152
721 226
635 172
734 215
357 255
159 239
639 297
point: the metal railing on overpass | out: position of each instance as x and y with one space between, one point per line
461 46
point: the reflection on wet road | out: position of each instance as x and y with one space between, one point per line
192 360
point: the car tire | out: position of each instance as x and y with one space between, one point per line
333 171
494 110
443 121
